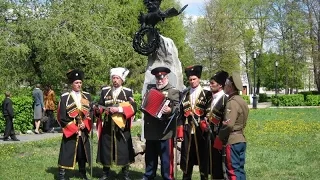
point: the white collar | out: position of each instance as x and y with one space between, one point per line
218 94
195 89
75 92
116 89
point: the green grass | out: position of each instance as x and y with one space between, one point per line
282 144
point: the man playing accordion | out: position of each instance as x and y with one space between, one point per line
116 109
75 119
158 142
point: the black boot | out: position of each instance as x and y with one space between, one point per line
82 170
61 174
106 171
125 171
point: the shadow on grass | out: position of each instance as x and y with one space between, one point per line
96 173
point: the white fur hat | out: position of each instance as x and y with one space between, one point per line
119 71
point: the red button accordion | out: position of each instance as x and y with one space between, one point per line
153 102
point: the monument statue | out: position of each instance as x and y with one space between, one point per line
161 51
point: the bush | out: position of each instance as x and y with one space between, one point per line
312 100
263 97
23 111
246 98
138 98
288 100
305 94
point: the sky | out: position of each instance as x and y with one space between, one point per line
195 7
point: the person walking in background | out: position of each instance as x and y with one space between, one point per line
49 104
38 107
232 129
74 117
7 111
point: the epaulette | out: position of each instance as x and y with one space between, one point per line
64 94
128 89
107 87
85 92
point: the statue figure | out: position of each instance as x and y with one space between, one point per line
148 22
161 51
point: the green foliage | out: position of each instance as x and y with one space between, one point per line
312 100
91 35
23 111
263 97
289 100
246 98
138 98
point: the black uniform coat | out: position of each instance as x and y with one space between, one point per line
115 144
153 127
67 113
7 109
215 118
186 124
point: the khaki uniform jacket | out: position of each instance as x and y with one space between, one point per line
235 120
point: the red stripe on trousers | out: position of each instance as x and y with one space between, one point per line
231 173
171 157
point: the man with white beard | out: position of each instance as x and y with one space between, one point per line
158 142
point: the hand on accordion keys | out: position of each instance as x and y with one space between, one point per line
166 109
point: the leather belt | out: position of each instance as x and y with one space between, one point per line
236 132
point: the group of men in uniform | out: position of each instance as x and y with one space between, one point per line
210 125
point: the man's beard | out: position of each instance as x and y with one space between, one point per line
161 86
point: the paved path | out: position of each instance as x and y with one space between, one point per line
31 137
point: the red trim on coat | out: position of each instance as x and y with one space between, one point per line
198 112
87 123
85 111
99 126
217 143
128 111
186 114
73 114
171 159
231 174
180 131
203 126
70 129
215 121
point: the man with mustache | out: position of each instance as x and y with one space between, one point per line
115 142
216 115
158 142
191 126
75 119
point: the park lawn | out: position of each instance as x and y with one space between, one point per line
282 144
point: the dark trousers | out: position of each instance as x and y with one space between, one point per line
81 156
164 149
9 130
47 126
235 160
193 159
216 161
